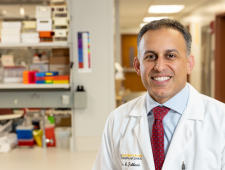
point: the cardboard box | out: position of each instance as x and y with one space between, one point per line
63 69
61 52
7 60
59 60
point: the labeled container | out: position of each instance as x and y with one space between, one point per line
63 137
43 12
44 24
61 33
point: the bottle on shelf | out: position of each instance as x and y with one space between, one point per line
36 58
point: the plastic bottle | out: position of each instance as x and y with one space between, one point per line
36 58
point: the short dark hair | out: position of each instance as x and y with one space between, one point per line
166 23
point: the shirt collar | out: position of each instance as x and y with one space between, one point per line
176 103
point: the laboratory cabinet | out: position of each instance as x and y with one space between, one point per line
36 99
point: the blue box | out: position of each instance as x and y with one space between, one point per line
24 132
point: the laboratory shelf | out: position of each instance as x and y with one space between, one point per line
33 45
33 86
11 116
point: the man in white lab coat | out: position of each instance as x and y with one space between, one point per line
172 126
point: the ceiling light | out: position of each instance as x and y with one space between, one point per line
149 19
22 11
165 8
3 12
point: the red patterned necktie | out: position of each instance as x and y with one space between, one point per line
157 139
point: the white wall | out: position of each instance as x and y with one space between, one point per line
97 17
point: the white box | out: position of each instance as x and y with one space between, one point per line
30 40
29 24
16 25
44 24
10 39
43 12
30 35
61 21
10 32
61 33
13 79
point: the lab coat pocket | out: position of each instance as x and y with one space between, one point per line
131 161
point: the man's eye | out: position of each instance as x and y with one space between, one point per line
171 56
151 56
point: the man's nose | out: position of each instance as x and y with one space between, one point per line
160 64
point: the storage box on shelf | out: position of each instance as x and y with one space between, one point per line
30 37
43 12
10 32
29 26
29 33
13 74
44 23
59 61
46 36
60 18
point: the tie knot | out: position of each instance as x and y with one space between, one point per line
160 112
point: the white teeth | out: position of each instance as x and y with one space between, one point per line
161 78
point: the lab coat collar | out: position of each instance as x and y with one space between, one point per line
139 108
195 112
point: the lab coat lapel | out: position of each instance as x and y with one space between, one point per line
141 131
183 132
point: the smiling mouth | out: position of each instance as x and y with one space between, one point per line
161 78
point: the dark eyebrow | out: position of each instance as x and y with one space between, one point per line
167 51
150 51
172 50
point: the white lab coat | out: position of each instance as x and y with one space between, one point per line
198 140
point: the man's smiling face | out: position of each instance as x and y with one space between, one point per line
163 64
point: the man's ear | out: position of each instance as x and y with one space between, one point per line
191 63
136 64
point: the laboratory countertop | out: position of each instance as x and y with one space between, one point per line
51 159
